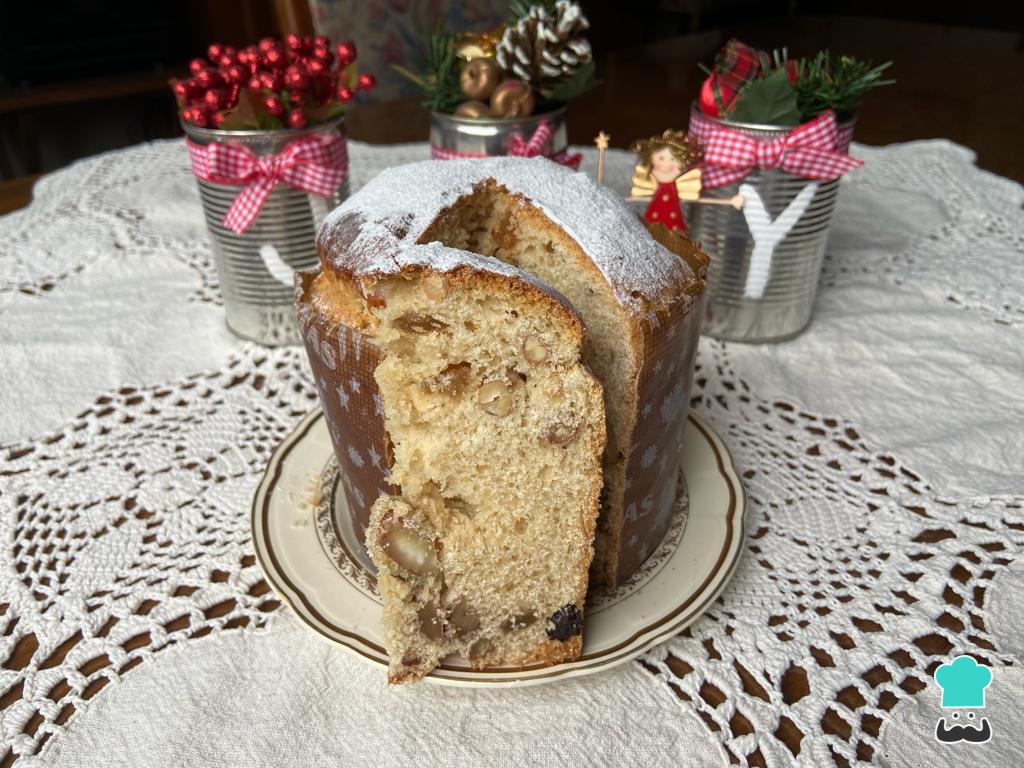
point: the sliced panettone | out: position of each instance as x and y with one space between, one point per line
640 298
497 431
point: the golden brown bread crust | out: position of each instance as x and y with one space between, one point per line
550 652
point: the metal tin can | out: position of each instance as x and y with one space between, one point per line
453 136
785 306
254 267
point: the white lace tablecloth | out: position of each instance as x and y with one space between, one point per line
882 450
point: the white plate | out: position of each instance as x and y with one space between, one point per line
316 564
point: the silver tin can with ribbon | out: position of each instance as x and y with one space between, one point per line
255 267
755 296
452 136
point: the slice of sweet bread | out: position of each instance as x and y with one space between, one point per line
497 431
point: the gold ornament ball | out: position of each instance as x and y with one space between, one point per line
472 45
479 78
473 109
513 98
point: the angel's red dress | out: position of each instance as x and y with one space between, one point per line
664 207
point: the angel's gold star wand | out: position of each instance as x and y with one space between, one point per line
601 140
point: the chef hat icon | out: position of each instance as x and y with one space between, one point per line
963 682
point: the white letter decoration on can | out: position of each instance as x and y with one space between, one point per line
767 233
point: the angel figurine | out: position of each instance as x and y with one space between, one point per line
667 173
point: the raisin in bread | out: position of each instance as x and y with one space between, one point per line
497 431
641 301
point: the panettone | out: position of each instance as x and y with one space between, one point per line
640 301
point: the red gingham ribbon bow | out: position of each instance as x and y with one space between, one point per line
537 143
518 147
808 151
316 164
540 141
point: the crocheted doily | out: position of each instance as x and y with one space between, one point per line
138 429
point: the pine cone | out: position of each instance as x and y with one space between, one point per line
545 47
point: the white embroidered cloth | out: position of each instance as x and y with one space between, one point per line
882 450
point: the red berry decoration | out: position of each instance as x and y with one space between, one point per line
209 78
215 98
346 53
273 106
249 56
235 74
195 93
195 115
275 58
289 76
295 79
270 80
302 48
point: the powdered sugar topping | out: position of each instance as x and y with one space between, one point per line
393 211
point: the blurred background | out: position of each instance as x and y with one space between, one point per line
79 77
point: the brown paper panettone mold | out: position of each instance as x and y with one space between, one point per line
343 361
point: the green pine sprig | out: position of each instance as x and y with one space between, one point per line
822 82
439 78
840 83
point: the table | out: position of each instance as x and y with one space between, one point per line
882 453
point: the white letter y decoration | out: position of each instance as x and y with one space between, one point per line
767 233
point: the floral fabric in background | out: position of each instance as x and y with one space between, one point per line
394 31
